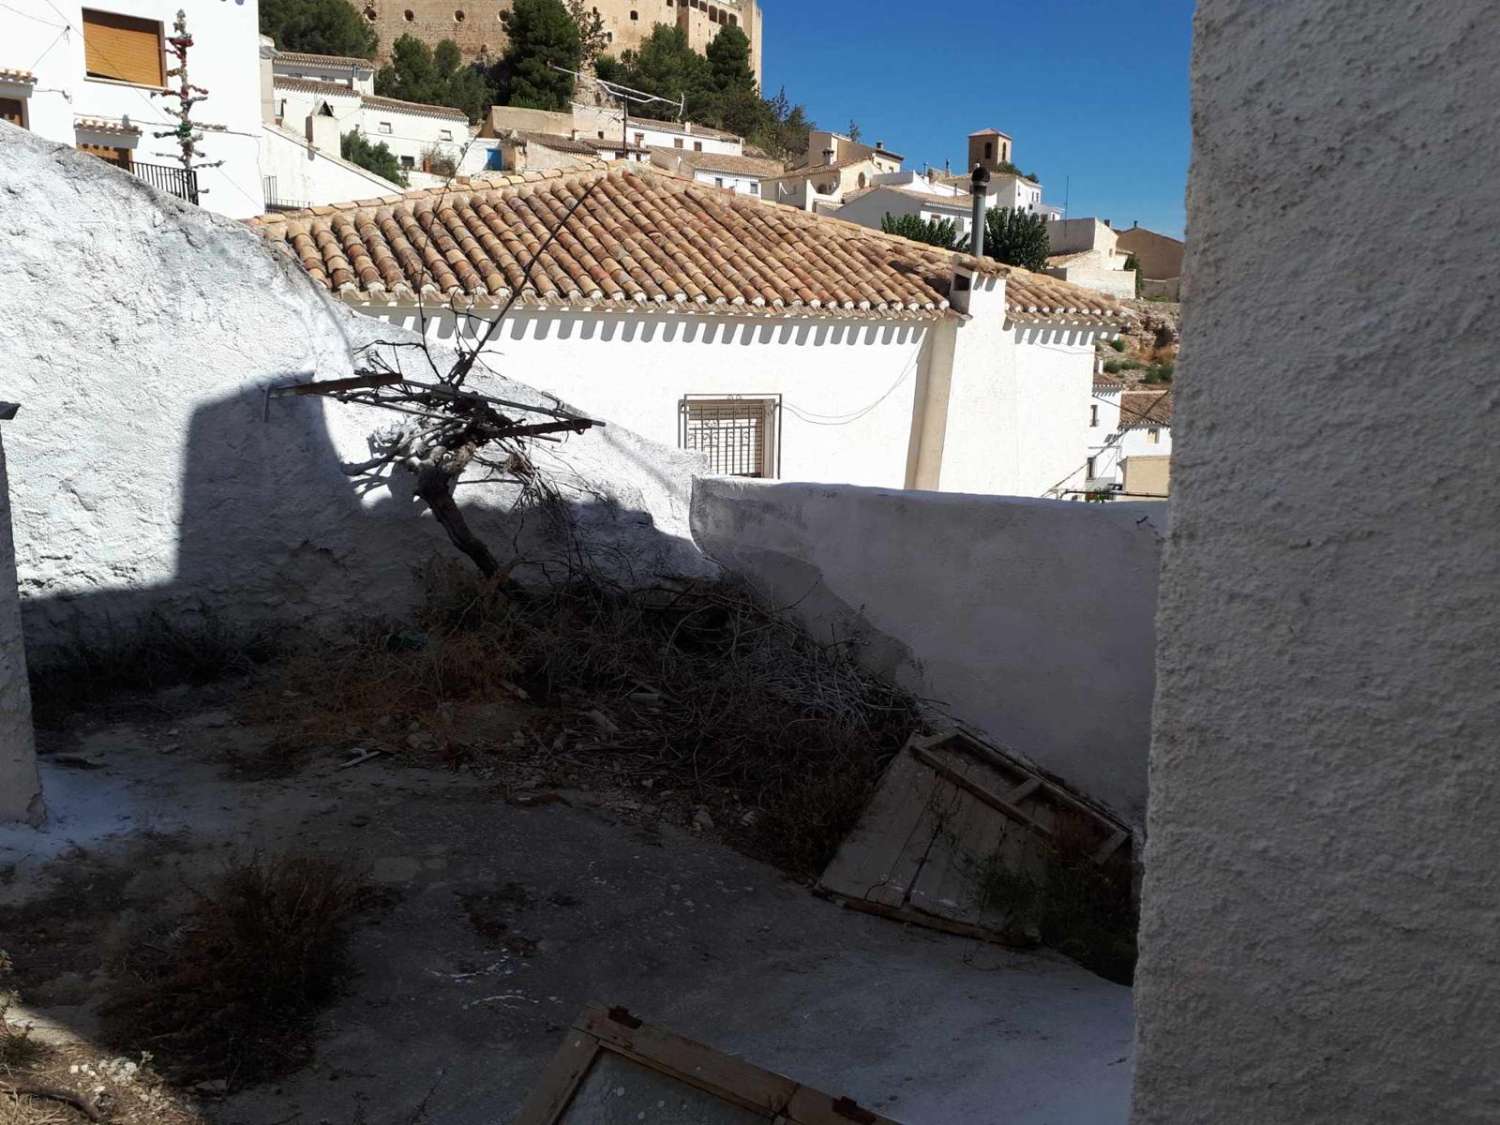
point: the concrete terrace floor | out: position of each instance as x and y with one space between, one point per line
686 933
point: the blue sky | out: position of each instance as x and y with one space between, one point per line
1094 92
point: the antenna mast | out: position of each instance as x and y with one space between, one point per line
625 95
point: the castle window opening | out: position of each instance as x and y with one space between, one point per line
458 16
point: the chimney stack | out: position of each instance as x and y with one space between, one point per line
828 154
879 146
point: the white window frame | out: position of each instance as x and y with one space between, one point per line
733 419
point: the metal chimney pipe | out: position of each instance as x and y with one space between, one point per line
979 180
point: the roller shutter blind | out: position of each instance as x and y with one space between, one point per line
125 48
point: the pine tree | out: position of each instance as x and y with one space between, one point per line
1017 238
319 27
418 73
542 36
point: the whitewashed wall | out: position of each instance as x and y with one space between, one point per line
1017 420
740 185
225 59
303 174
868 210
848 386
1030 619
1320 937
20 788
153 474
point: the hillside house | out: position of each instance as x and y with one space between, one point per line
1084 252
778 344
1130 440
328 96
1160 259
836 166
870 206
1008 187
92 77
744 175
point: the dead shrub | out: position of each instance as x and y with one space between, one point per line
711 689
230 991
146 655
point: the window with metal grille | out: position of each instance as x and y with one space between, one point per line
741 436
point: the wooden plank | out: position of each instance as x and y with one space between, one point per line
1111 846
725 1076
551 1095
944 925
1024 790
888 843
813 1107
938 766
945 885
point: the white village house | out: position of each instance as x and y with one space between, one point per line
1130 442
779 343
326 96
94 76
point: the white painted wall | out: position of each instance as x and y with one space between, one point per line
1017 421
20 788
152 473
409 134
847 386
1030 619
740 185
303 174
648 132
225 59
869 209
1319 936
1104 435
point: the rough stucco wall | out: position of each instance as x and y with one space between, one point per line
1030 619
152 473
1321 939
20 789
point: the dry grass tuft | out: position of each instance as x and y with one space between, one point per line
229 993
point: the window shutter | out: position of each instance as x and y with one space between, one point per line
123 47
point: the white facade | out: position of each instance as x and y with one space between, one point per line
1116 434
868 208
1033 620
977 404
297 173
415 133
64 103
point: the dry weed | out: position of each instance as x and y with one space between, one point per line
229 992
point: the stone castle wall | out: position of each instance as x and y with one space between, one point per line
475 24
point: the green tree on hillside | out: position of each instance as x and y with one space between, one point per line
319 27
935 232
666 66
591 34
378 158
1017 238
783 133
417 73
542 35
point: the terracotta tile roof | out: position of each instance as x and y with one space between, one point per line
419 108
808 170
9 75
679 127
301 58
1145 408
642 237
313 86
114 128
560 143
371 101
722 162
1107 383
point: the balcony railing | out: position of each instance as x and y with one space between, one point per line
174 181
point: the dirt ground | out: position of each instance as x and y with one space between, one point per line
509 898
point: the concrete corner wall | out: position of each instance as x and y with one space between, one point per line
1320 936
1030 619
20 789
